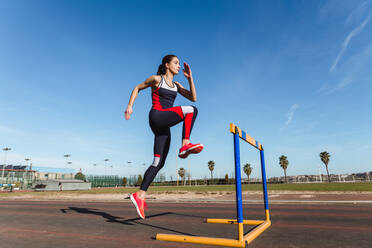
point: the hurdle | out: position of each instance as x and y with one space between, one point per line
261 225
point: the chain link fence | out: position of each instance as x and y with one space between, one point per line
105 181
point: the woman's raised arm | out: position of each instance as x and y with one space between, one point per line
151 81
189 94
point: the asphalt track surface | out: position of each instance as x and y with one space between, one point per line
116 224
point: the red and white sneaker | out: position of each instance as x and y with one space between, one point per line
190 148
139 204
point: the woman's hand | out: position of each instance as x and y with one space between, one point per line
128 112
187 71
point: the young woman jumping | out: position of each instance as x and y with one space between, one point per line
162 116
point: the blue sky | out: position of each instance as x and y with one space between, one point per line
295 75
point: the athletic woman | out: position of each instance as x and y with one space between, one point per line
162 116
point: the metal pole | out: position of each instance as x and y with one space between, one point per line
178 176
106 165
25 172
264 185
5 151
2 174
69 163
238 185
105 181
66 156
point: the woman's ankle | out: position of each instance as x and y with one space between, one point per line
185 142
142 194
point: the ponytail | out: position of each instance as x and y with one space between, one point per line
161 70
167 59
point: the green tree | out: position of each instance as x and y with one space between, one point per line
125 181
247 170
139 180
181 173
211 167
324 156
226 179
283 161
80 176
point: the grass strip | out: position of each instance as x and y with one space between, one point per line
316 187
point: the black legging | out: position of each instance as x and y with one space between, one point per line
160 123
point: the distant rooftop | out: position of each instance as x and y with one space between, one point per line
53 170
38 168
13 167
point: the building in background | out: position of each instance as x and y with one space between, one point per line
49 173
23 176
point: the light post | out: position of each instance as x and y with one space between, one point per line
129 167
177 170
106 159
32 174
23 174
66 156
27 159
94 165
6 149
71 176
320 175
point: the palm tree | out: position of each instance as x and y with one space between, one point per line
181 173
226 179
247 170
188 175
284 164
211 167
324 156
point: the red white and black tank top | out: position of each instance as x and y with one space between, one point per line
163 97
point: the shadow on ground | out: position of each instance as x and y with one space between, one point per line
121 220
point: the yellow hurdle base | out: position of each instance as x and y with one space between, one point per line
200 240
241 242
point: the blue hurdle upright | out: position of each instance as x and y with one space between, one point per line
261 225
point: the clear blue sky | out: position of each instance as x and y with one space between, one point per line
295 75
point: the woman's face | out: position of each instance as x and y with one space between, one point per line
174 66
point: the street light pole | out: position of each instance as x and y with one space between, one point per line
94 165
177 170
320 175
129 167
66 156
23 174
69 163
5 151
106 164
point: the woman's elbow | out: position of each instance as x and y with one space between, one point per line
137 89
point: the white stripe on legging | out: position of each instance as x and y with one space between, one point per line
187 110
